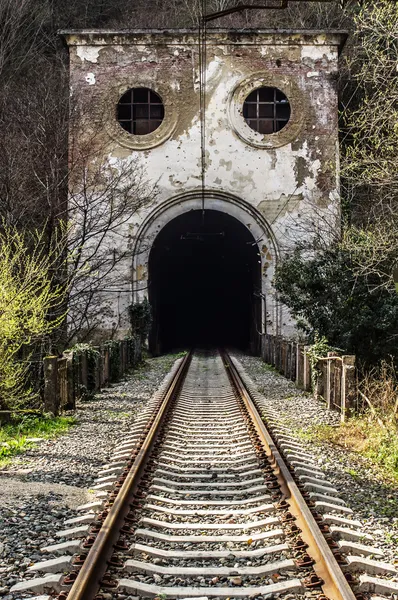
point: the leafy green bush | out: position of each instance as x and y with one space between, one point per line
30 306
328 295
140 318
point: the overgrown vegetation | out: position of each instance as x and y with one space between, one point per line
341 284
140 318
16 437
30 305
318 350
91 355
373 430
358 313
366 437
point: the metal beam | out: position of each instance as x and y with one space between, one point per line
281 4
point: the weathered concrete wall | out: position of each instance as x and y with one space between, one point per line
283 186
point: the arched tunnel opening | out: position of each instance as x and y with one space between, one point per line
204 284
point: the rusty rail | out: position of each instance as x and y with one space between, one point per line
335 586
90 576
88 580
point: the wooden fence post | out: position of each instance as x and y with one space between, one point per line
51 395
319 391
348 386
129 353
97 369
84 370
307 383
293 359
62 376
288 354
278 351
338 376
102 369
329 386
300 366
106 365
264 352
281 357
124 355
71 389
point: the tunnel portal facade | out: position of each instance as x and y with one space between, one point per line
269 177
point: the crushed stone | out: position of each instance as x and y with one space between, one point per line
373 500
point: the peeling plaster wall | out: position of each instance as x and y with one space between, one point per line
290 179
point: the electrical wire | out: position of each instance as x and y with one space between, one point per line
202 98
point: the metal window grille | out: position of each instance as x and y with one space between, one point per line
140 111
266 110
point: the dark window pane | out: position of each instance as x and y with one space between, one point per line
140 111
140 95
157 111
252 97
155 99
266 110
252 123
126 125
153 125
279 125
141 127
265 126
266 94
126 98
250 110
280 96
124 111
283 111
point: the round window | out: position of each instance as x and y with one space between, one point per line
140 111
266 110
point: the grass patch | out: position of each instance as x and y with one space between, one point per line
14 437
364 436
177 355
269 368
118 414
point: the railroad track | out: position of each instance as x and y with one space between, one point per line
198 502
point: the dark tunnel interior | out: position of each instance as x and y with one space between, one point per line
204 272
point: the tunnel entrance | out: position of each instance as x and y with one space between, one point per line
204 284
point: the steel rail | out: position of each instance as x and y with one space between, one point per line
335 586
88 580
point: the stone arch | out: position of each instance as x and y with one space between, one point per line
218 201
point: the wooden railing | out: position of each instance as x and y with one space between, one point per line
331 378
78 374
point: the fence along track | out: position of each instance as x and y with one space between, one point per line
208 507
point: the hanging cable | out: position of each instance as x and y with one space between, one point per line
202 98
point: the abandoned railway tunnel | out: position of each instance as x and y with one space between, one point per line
238 180
204 283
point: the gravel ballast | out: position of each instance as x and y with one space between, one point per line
373 500
43 487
